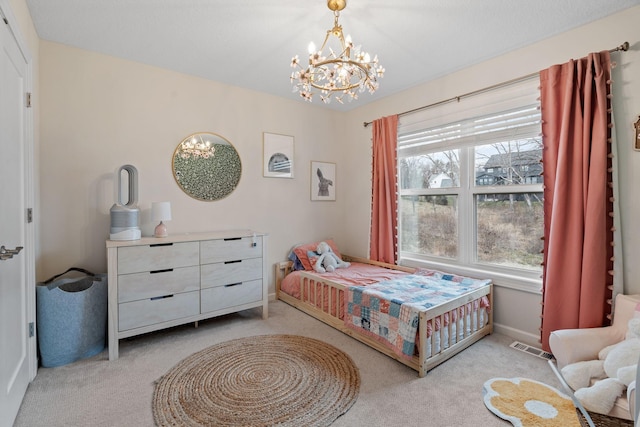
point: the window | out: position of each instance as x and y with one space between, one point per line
471 190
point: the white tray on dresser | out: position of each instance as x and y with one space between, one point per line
156 283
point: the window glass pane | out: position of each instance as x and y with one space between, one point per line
509 228
509 163
433 170
429 225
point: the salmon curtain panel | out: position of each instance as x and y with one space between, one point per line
384 202
578 194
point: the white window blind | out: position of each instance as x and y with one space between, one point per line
507 125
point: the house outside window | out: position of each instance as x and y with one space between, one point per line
470 193
515 164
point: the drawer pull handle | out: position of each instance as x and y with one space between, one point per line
232 284
233 262
166 270
232 238
162 297
160 244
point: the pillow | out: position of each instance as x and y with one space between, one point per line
297 265
307 252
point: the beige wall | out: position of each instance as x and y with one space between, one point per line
99 113
517 312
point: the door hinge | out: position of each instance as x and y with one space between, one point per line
31 330
28 99
29 215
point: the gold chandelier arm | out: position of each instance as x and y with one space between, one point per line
363 70
337 32
324 43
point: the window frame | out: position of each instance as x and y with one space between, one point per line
467 262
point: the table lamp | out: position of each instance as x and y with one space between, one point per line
160 211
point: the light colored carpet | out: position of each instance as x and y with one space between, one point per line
96 392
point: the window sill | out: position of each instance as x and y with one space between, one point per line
525 281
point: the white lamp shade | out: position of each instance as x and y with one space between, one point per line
161 211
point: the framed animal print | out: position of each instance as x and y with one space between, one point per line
323 181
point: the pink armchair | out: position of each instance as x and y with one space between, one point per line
574 345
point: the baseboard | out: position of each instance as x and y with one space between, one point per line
517 334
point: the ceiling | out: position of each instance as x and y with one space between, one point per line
250 43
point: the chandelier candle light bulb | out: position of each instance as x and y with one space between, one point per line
336 73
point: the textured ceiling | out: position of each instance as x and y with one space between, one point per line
250 43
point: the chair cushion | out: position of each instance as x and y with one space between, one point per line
626 307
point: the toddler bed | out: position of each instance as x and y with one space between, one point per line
419 317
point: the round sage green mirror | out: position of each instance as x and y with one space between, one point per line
206 166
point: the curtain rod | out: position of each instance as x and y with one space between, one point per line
623 47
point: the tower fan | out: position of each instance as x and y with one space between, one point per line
124 216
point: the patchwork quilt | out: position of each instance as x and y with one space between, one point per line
389 310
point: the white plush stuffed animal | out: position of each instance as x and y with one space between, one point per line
615 369
328 260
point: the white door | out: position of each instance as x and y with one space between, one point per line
14 330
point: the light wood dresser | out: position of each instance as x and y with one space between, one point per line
156 283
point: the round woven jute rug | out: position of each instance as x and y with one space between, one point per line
265 380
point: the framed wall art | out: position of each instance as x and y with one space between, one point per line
323 181
277 155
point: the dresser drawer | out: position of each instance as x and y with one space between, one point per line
162 256
221 250
149 311
149 284
226 273
221 297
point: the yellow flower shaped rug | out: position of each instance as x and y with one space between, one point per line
527 403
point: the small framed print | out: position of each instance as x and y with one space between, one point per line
277 155
323 181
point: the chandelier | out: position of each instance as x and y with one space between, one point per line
338 72
196 147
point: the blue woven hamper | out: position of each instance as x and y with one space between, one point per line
71 317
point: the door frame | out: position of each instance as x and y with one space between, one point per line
29 186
